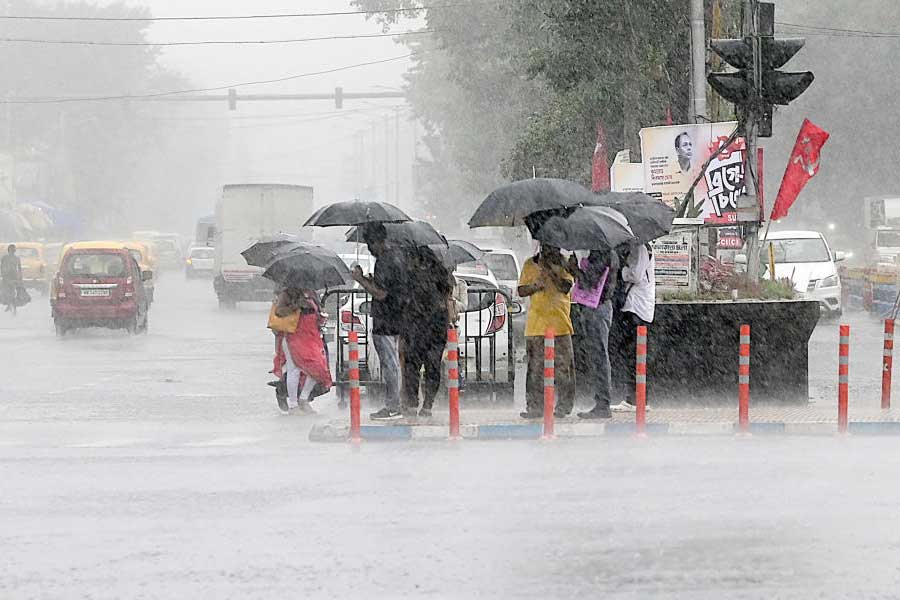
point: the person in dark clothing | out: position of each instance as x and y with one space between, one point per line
388 288
595 280
10 278
425 337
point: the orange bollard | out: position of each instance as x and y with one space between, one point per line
744 381
453 380
887 365
355 436
640 382
549 383
843 378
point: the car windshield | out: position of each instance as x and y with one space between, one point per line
798 250
888 239
95 265
503 266
27 252
203 253
136 255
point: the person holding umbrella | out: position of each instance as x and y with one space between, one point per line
299 350
388 287
547 283
592 313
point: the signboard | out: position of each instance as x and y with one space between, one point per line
673 156
673 254
624 175
729 238
883 213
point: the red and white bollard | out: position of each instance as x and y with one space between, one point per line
640 382
843 378
549 383
453 380
355 436
744 381
887 365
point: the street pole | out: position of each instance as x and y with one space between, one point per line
387 158
698 61
397 156
751 30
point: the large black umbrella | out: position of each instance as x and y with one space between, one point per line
410 233
356 213
586 228
308 267
263 251
509 205
648 218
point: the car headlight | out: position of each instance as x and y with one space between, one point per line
831 281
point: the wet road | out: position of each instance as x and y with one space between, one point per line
156 466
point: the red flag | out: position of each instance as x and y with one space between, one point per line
802 167
600 163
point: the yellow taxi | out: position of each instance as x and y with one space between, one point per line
34 268
141 253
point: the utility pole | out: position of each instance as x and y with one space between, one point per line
396 156
698 61
387 158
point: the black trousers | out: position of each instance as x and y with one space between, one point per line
423 349
622 348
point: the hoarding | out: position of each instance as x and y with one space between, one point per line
624 175
673 254
673 156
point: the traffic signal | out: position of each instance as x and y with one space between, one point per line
232 99
339 97
775 87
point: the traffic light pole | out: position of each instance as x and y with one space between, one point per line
751 30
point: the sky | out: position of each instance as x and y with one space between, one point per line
307 142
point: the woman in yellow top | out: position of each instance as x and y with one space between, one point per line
547 283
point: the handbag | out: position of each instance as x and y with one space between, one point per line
286 324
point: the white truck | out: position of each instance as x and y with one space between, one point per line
246 213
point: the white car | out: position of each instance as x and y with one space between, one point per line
805 258
200 262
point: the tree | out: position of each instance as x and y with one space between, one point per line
511 89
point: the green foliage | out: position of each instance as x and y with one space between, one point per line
507 89
765 289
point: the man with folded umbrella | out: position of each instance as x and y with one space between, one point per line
547 283
387 286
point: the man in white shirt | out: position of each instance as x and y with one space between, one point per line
639 279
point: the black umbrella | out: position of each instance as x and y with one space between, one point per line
356 213
509 205
648 218
585 228
264 250
410 233
308 267
461 252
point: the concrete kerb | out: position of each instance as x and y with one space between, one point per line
340 432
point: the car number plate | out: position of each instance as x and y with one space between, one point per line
94 292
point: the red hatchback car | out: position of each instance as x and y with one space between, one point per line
99 287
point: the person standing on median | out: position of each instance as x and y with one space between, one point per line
424 340
637 289
546 281
388 288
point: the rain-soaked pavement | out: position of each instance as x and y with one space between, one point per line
156 467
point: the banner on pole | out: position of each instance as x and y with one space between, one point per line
802 167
